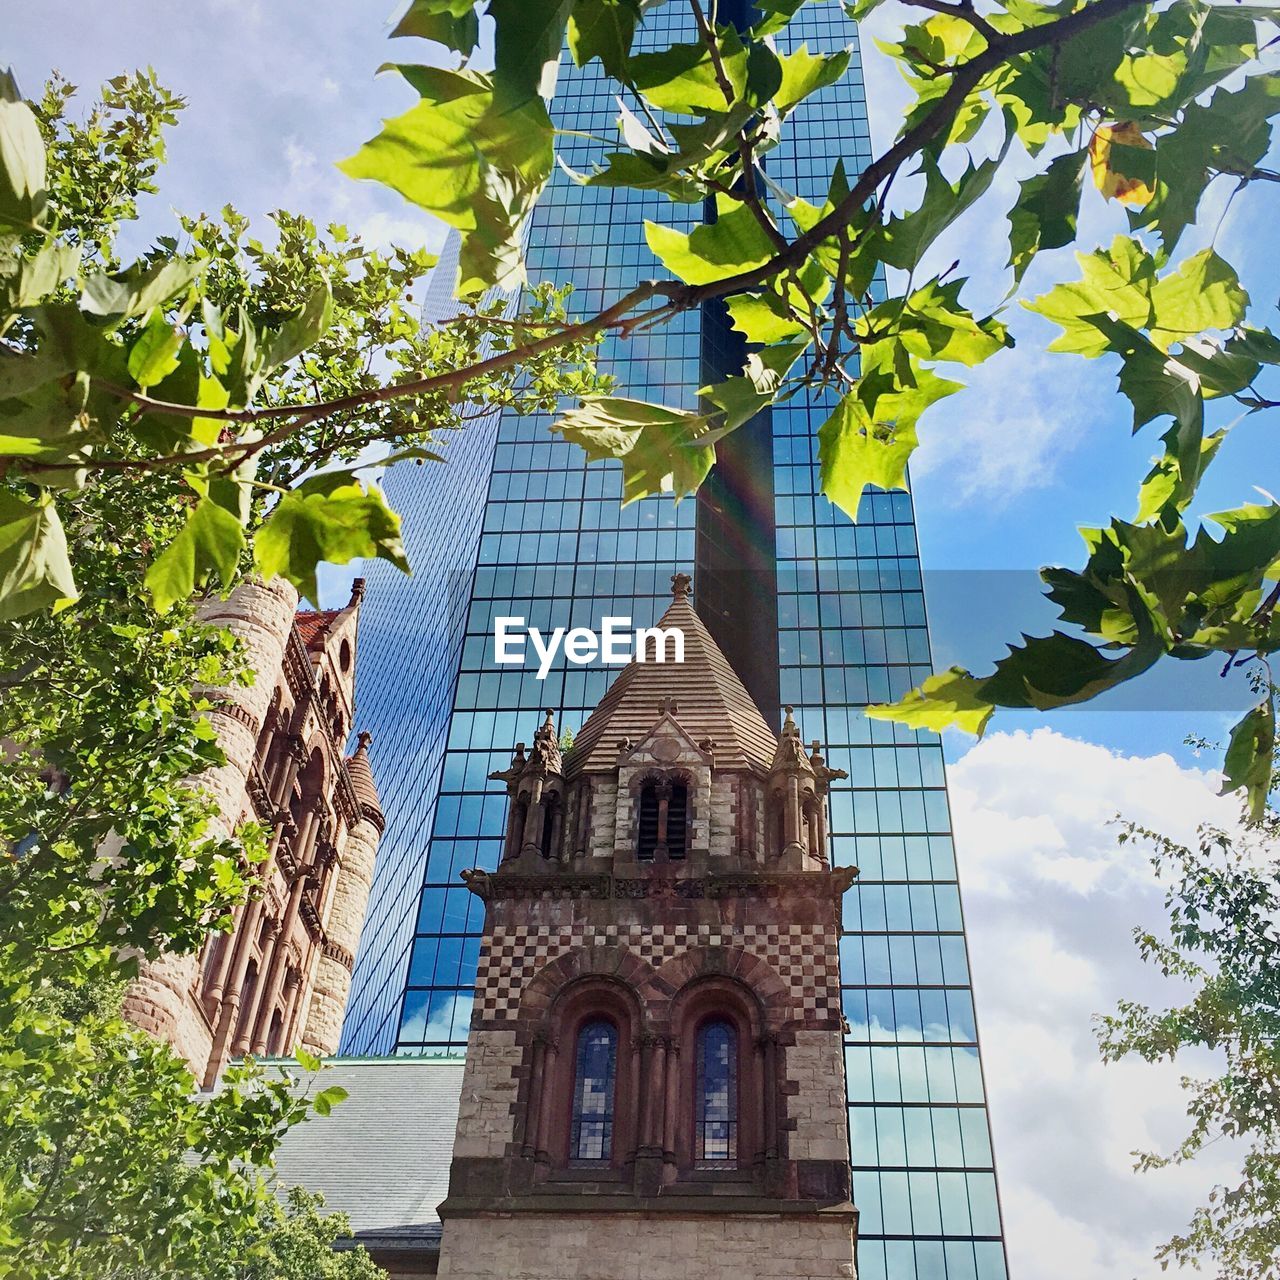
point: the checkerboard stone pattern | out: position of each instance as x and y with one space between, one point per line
804 956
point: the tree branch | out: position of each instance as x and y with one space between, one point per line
678 297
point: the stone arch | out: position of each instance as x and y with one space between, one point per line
661 993
546 990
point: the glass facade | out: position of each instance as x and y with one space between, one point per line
552 545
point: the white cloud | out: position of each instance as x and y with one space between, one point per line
1050 903
1005 434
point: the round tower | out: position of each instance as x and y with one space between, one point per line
323 1026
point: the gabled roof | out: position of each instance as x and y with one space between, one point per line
313 623
711 702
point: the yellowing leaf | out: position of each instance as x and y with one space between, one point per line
950 699
1109 174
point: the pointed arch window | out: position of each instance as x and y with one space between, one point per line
591 1138
716 1098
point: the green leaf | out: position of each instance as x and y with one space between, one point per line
1230 134
1248 761
1059 670
301 332
331 517
49 421
950 699
603 29
155 351
325 1101
528 37
24 281
1204 293
1116 282
733 243
775 14
762 317
683 78
659 448
478 168
453 23
872 433
210 541
804 73
35 570
934 324
1045 214
742 397
906 238
124 294
853 453
306 1060
22 160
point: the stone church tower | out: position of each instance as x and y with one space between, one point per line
654 1083
280 978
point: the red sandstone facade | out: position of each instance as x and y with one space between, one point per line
280 978
664 914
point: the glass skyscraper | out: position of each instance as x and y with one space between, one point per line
519 524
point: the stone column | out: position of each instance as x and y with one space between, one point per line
254 1039
255 1021
293 984
533 1112
546 1102
671 1110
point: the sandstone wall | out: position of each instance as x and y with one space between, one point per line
642 1246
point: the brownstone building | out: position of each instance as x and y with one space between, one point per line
654 1080
280 978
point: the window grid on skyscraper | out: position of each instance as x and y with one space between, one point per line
548 541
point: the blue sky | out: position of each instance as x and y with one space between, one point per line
280 89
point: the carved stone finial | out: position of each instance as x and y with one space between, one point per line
357 592
669 707
363 738
545 756
681 583
790 754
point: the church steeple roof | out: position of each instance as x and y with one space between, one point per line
710 701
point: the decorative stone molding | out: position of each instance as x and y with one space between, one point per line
344 957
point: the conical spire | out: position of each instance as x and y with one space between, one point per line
713 703
362 782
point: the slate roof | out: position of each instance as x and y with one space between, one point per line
382 1156
710 699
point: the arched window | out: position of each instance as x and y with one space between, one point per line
716 1098
648 824
591 1138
